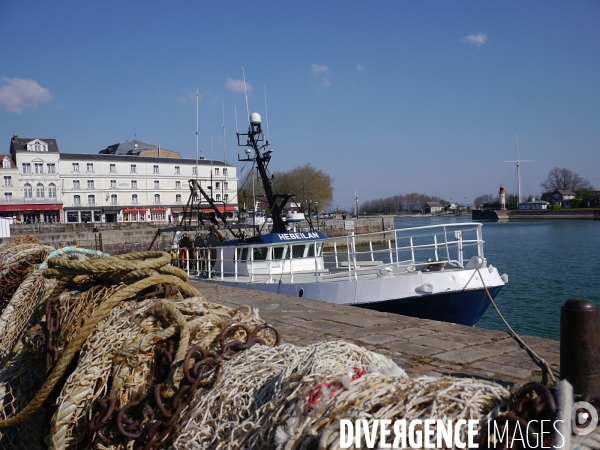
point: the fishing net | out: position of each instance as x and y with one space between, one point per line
120 353
294 397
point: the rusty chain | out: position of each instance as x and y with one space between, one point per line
52 332
529 406
149 421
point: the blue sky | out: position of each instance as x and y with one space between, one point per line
388 97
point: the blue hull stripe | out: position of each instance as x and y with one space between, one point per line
464 308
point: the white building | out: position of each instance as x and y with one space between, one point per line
129 182
532 203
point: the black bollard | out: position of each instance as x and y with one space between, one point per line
580 345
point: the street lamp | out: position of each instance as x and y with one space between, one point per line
317 208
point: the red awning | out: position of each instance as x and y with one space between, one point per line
128 210
158 209
176 210
29 207
221 208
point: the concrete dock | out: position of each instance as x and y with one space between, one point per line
420 347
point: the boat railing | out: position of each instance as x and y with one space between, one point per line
433 247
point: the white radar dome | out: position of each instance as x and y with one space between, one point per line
255 119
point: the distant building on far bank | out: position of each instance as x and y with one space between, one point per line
432 208
532 203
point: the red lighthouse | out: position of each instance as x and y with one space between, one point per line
502 197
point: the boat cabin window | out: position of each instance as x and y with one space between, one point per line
278 252
298 251
311 249
242 253
260 253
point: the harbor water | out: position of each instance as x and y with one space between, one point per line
547 262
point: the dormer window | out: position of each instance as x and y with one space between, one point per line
6 163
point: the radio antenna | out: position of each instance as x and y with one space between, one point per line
235 115
246 94
266 113
196 133
224 146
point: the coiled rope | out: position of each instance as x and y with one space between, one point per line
149 265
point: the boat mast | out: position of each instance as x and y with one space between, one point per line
258 146
518 161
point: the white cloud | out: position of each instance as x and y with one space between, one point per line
317 69
237 85
188 97
19 93
476 39
360 67
325 83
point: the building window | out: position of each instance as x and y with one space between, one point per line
113 184
217 185
90 184
226 198
76 200
133 168
178 185
7 181
113 199
157 215
178 198
8 195
6 163
75 167
224 172
218 197
90 167
134 199
194 170
39 168
91 199
156 184
76 185
177 172
27 190
225 185
51 168
52 190
216 171
39 190
157 199
27 168
155 169
113 168
133 184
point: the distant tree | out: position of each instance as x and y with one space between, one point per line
307 183
485 199
565 179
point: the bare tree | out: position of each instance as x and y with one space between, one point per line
485 199
565 179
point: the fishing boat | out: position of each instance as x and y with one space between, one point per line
434 272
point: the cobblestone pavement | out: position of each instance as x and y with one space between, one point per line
421 347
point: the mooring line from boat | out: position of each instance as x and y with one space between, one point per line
538 360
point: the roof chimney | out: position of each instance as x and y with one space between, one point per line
15 137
